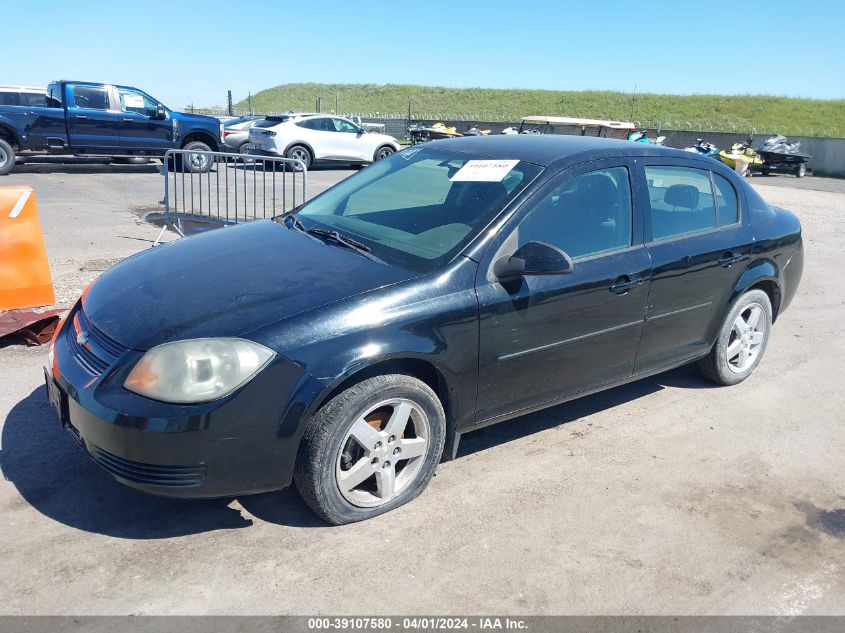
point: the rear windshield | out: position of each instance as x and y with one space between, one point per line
238 120
419 207
270 121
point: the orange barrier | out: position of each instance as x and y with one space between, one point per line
25 280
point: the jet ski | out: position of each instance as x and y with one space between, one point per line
421 134
703 147
779 154
474 131
741 158
642 137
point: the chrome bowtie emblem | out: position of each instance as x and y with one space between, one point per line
82 338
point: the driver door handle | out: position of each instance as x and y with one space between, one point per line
128 119
729 258
79 116
624 283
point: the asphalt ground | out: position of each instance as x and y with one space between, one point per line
664 496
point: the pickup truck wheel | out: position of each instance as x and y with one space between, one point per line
198 163
7 157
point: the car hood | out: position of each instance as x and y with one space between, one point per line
226 282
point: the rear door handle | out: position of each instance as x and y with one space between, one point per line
624 283
728 259
79 116
128 119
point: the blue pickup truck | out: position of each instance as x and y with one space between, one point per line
93 119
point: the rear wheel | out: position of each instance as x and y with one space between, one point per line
742 340
300 153
7 157
371 448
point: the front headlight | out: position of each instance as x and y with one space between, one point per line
197 370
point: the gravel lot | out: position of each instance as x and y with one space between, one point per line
665 496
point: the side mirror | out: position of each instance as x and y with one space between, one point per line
160 114
533 258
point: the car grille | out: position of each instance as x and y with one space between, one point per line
92 349
153 475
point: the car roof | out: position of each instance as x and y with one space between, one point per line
546 149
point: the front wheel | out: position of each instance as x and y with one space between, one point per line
7 157
371 448
383 152
742 340
198 163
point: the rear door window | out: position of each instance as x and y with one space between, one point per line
91 98
682 201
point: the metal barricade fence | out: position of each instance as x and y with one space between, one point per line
220 188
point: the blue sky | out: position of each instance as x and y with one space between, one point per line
192 52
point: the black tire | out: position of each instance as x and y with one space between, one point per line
197 163
325 444
7 157
302 153
243 148
716 366
801 170
383 152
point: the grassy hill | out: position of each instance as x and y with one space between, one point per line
741 113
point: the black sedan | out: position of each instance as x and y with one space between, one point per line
346 347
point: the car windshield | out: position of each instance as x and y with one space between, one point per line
417 208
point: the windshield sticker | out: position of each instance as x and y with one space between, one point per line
133 101
484 170
408 152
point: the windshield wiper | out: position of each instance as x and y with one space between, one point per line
344 240
295 222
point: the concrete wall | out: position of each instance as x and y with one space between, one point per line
828 154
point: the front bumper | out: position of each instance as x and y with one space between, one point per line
245 443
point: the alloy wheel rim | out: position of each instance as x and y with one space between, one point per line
384 153
199 161
746 339
383 452
3 157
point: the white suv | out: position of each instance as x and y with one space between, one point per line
319 137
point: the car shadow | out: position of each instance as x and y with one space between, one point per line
80 165
55 477
686 377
